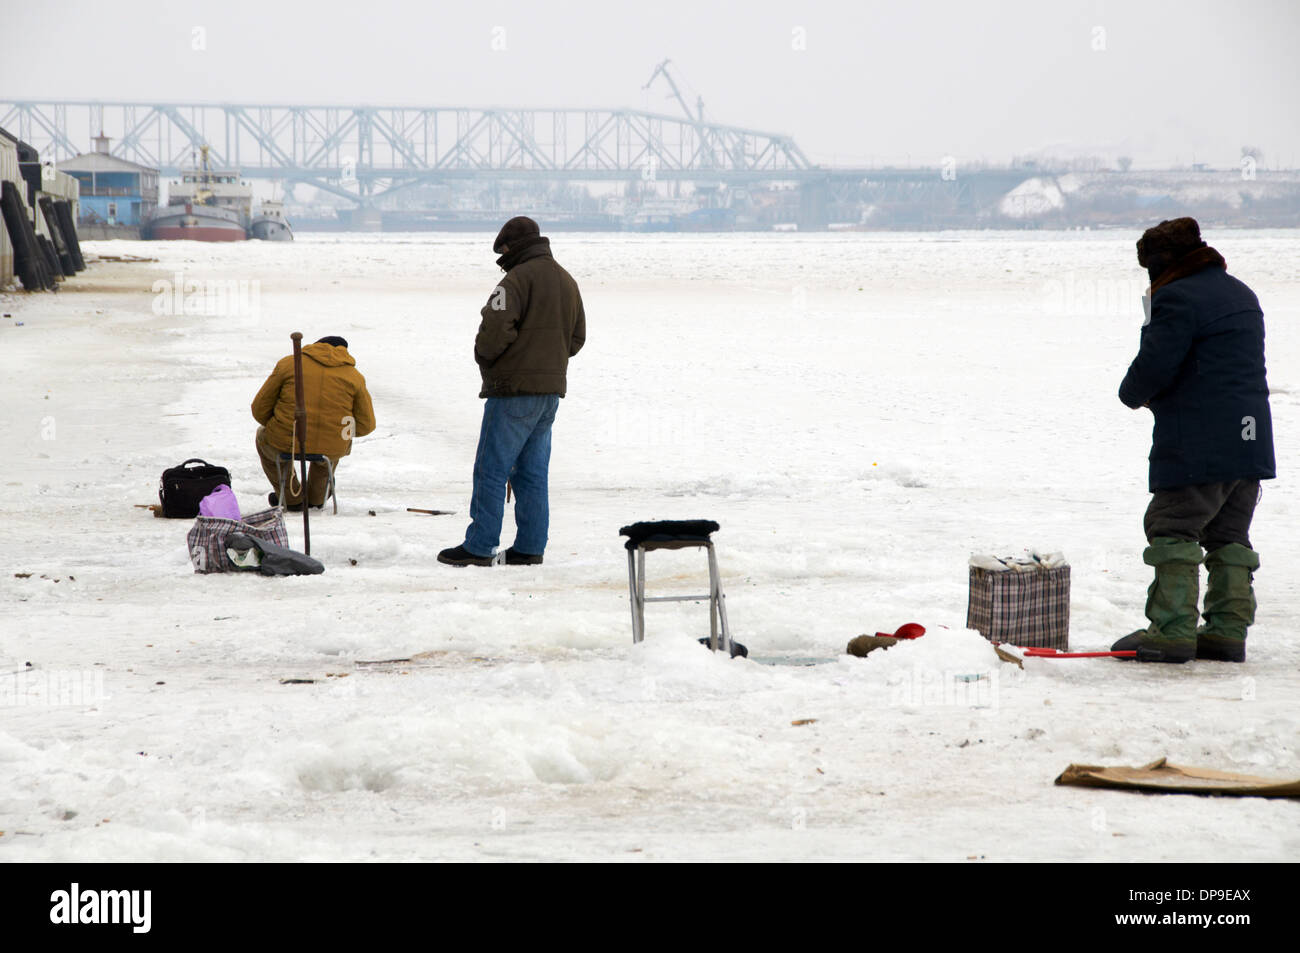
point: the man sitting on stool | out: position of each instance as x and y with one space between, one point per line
338 409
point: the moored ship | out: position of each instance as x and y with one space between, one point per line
206 205
270 224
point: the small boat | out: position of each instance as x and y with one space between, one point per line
207 205
270 224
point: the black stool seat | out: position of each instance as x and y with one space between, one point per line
309 457
668 534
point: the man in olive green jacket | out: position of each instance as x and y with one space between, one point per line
532 324
338 409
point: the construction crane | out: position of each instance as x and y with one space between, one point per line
663 68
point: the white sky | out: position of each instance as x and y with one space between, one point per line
1175 82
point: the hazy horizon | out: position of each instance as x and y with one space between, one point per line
1162 82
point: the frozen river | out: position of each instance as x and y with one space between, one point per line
859 412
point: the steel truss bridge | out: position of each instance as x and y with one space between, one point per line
367 152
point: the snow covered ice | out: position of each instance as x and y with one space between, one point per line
859 412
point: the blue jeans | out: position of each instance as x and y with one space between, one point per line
514 444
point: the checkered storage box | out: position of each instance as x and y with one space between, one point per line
1029 608
207 537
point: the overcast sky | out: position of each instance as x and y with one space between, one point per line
1165 82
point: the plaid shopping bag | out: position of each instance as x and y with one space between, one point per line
207 537
1026 608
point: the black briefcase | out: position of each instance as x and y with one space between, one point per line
182 488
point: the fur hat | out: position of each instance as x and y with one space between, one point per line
334 341
1164 244
514 231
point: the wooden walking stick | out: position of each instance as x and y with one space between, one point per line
300 434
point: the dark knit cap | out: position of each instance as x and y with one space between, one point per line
514 231
333 340
1168 241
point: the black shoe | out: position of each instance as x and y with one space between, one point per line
273 498
460 556
737 650
1129 643
515 558
1176 656
1220 650
1150 653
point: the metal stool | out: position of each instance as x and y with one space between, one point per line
291 459
674 534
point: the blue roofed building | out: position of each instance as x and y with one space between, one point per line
114 191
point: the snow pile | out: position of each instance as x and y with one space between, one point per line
946 666
1036 196
1071 182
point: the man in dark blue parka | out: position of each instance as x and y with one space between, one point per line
1200 369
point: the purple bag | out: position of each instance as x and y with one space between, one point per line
220 503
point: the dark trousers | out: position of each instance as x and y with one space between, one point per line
1212 514
317 474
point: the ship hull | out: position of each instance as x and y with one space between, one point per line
269 230
197 224
196 234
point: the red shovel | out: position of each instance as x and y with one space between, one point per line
908 630
1056 653
912 630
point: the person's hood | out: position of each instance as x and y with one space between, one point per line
328 355
518 229
524 250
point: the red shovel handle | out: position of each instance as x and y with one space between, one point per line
1055 653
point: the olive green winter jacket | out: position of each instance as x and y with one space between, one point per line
532 324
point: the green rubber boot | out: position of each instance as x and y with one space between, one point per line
1170 635
1229 603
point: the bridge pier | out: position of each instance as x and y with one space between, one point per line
814 202
367 219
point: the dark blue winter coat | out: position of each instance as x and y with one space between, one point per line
1200 368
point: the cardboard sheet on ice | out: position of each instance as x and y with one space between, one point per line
1164 778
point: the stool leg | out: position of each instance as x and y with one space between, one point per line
279 473
722 610
713 600
631 595
329 469
718 601
640 593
